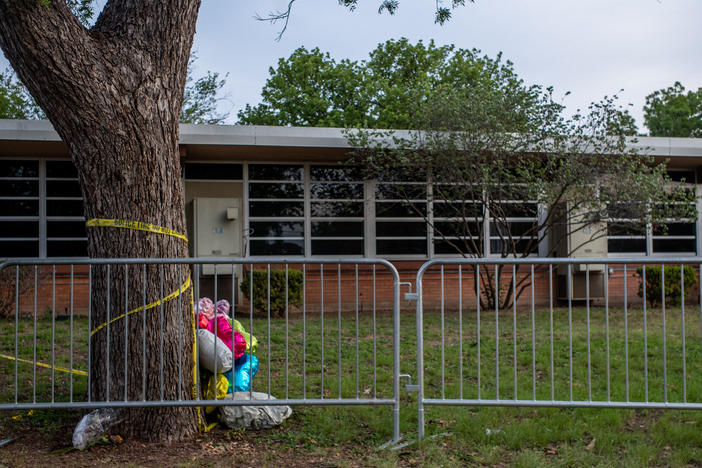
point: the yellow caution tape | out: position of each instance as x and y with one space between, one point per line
183 287
138 225
41 364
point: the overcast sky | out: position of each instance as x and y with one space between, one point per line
590 48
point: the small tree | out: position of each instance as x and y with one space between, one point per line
499 150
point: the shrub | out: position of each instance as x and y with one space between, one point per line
672 282
277 291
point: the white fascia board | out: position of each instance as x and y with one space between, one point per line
312 137
27 130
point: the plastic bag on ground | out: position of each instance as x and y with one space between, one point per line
253 417
206 349
93 426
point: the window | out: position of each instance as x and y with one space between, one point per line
628 233
400 212
276 209
41 209
19 208
336 211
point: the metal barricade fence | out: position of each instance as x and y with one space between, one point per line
576 332
323 331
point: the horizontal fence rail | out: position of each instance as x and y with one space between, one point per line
575 332
121 332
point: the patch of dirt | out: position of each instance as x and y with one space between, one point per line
218 448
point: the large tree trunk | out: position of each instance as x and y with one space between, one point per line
113 93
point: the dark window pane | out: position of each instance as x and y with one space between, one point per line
674 229
19 248
277 247
214 171
514 210
63 188
19 188
259 190
276 209
680 176
19 207
626 245
456 247
403 247
457 228
337 191
674 245
626 229
19 229
19 168
337 209
517 246
65 229
336 173
400 192
337 229
274 172
61 169
67 249
64 207
515 228
337 247
400 210
400 229
277 229
458 210
402 174
628 210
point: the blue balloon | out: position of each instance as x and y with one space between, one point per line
245 368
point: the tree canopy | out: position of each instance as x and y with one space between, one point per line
15 100
672 112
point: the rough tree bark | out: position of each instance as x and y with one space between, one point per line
113 93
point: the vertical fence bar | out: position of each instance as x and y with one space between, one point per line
34 364
396 356
107 347
251 306
460 333
161 363
356 296
304 335
645 334
70 367
606 293
626 335
143 332
196 287
214 329
53 331
321 328
533 338
251 334
550 325
665 364
682 334
126 330
570 331
338 325
420 359
477 321
17 328
180 333
587 320
268 318
90 329
375 393
496 298
514 327
443 365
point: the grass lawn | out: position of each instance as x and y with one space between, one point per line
458 436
